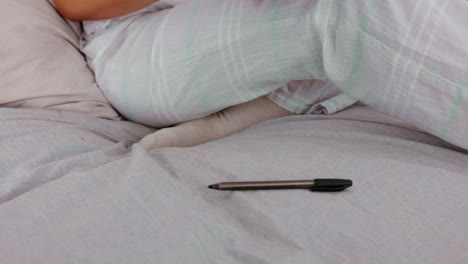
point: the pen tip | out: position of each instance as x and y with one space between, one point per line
213 186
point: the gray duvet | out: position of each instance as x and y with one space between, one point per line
77 189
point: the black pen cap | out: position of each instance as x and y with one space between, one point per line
330 185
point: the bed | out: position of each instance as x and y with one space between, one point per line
76 188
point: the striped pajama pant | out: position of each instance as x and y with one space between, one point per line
406 58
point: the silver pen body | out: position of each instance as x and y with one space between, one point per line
263 185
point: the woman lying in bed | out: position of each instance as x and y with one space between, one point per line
215 67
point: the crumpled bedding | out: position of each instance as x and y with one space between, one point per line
77 189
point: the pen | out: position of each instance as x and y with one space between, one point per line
317 185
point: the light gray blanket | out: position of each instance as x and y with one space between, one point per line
76 189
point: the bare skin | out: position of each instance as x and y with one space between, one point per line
218 125
79 10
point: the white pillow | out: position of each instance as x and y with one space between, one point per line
41 65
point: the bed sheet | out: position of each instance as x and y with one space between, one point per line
77 189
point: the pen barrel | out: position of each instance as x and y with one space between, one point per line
266 185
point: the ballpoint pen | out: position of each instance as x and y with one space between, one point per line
318 185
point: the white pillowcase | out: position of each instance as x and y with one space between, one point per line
42 66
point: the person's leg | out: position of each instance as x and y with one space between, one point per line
297 97
215 126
